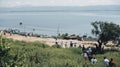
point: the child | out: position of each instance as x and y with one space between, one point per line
111 63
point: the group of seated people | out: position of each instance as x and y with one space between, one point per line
87 54
109 63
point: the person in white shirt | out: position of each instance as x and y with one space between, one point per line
93 60
1 32
85 55
89 50
106 61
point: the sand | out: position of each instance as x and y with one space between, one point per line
49 41
63 43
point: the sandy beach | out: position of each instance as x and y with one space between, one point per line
49 41
62 42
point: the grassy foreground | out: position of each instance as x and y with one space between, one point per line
22 54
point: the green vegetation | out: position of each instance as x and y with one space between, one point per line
35 54
106 32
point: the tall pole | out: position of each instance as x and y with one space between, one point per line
58 32
20 23
33 30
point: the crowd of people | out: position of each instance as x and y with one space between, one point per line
87 54
65 44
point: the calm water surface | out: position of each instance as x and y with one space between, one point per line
48 22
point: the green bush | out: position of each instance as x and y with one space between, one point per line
36 54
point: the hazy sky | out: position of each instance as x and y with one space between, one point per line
16 3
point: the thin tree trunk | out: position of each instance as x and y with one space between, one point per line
100 46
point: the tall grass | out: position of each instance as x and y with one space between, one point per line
36 54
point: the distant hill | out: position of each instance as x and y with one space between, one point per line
62 8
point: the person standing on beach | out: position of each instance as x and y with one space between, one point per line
56 42
1 33
75 45
71 44
83 48
65 44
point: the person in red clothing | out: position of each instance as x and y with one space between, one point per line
112 63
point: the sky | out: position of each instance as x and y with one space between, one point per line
18 3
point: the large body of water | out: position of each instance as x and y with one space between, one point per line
78 22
